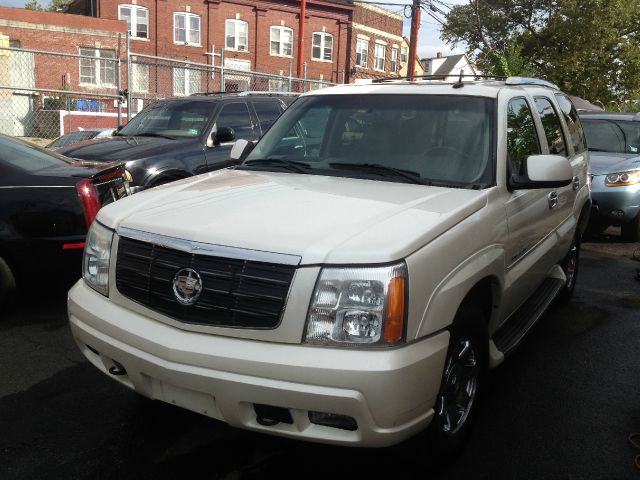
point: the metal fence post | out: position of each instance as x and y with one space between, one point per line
290 75
129 87
119 81
304 82
222 81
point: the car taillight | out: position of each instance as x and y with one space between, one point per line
89 199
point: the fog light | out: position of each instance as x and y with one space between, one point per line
332 420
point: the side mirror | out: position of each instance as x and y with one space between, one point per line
223 135
543 171
241 149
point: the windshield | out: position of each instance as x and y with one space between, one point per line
444 139
27 157
171 119
615 136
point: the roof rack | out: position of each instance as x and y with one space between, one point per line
442 78
530 81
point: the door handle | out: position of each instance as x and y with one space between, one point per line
576 182
553 200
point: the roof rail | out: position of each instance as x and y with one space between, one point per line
530 81
246 93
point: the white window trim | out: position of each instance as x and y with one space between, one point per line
187 81
323 36
134 20
281 28
375 57
187 16
395 53
96 66
366 65
404 49
236 22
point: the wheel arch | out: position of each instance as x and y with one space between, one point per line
165 176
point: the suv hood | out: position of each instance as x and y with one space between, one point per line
124 148
321 219
602 163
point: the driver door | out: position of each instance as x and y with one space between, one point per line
234 115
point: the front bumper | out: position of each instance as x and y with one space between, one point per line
615 204
389 393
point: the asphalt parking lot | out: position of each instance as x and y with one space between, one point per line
561 407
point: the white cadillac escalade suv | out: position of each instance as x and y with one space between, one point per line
353 279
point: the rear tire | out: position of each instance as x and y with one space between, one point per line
7 285
631 230
462 382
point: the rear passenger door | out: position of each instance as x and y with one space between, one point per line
267 111
235 115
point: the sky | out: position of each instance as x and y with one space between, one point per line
429 42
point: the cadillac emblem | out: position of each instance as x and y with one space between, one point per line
187 286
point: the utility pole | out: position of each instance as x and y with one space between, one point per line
303 13
413 43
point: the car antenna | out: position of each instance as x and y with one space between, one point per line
459 83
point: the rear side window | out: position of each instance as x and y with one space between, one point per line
522 139
236 116
576 134
552 127
267 113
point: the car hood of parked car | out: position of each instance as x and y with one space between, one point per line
318 218
124 148
602 163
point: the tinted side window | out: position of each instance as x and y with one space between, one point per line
576 134
236 116
552 127
522 139
267 113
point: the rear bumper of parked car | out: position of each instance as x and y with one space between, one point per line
389 393
615 204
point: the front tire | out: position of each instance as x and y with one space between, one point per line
631 230
570 266
7 285
462 382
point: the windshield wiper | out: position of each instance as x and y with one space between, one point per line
293 165
413 177
154 134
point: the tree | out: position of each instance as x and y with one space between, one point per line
53 6
590 48
33 5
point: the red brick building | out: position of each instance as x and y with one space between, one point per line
257 35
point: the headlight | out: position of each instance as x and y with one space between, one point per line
97 252
358 306
622 179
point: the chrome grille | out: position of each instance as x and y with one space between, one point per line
236 293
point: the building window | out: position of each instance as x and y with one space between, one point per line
394 59
186 28
322 48
362 53
380 53
404 55
140 77
278 85
186 81
237 35
137 19
281 41
95 71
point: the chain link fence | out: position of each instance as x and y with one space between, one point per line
45 94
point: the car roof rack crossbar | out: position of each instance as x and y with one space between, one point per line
442 78
246 93
530 81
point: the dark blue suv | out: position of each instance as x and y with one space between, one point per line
179 137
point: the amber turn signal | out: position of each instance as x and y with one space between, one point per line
394 324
